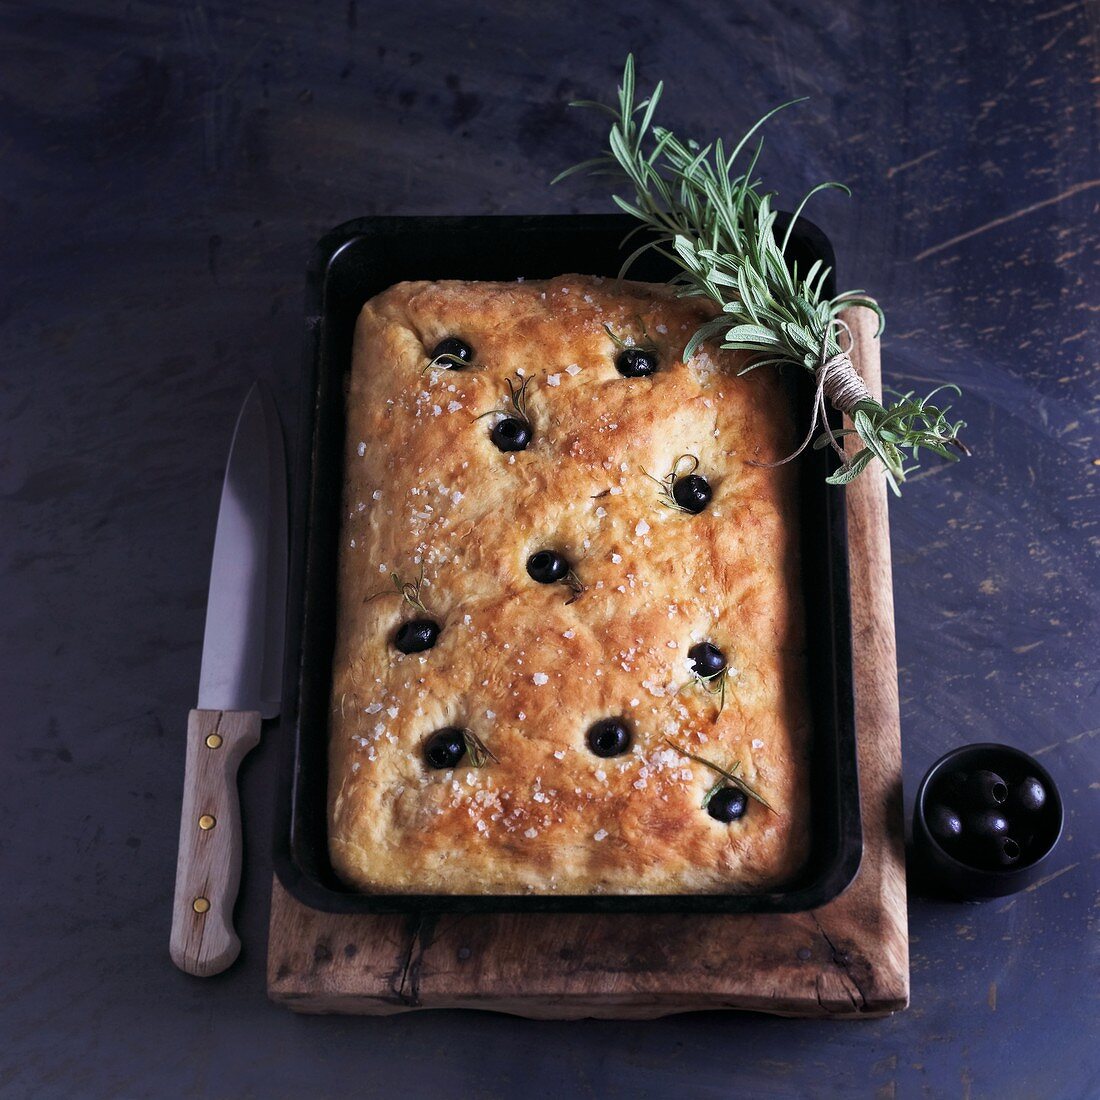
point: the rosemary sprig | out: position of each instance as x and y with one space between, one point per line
712 791
409 591
446 361
517 395
575 585
719 230
622 344
728 775
714 684
668 482
480 753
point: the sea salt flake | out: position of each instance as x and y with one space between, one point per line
553 379
453 406
757 743
373 708
568 633
642 528
531 833
539 678
361 449
616 558
601 835
573 369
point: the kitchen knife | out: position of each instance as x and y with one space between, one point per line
239 685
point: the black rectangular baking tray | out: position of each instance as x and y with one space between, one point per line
352 263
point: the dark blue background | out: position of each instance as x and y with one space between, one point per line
164 170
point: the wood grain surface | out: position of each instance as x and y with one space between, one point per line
851 957
208 866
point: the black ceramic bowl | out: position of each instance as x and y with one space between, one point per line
968 866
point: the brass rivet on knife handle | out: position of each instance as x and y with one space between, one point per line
214 741
208 871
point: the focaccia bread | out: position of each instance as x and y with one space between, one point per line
542 662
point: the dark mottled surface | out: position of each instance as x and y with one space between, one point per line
164 169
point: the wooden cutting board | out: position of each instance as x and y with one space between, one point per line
848 958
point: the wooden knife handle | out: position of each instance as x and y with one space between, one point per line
208 870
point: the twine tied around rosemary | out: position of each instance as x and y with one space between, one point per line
840 383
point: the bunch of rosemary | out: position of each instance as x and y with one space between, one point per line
719 229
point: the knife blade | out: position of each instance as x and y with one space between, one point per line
239 679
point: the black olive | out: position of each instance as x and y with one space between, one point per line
417 635
1006 852
728 804
445 748
986 825
1030 795
511 434
692 493
943 823
706 659
986 788
636 362
455 353
609 737
547 566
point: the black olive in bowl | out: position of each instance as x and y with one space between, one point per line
986 819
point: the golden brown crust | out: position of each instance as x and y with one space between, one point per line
517 663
